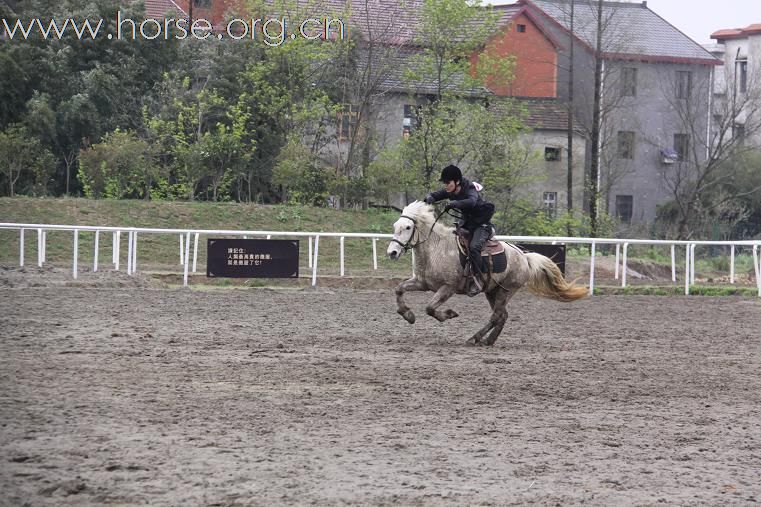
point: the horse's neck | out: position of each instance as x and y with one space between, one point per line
434 249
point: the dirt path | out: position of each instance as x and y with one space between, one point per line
136 396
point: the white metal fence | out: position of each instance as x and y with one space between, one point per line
186 235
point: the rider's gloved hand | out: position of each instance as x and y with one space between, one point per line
429 199
449 206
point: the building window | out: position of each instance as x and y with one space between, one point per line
550 203
682 146
411 119
521 28
624 208
626 145
742 74
683 84
738 133
347 122
202 4
551 154
629 82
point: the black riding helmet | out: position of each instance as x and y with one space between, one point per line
450 173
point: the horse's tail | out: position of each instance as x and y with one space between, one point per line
546 279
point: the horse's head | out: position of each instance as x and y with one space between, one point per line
407 228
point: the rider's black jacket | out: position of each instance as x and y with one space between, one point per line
475 210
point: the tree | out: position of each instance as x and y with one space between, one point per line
122 165
593 95
23 155
444 130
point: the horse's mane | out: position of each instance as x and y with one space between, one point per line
424 216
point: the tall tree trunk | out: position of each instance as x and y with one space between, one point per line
569 182
595 152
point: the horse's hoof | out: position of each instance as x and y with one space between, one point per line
451 314
409 316
472 342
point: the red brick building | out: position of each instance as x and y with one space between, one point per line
534 51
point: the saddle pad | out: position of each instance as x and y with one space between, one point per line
499 260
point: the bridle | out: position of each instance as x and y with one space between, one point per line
406 246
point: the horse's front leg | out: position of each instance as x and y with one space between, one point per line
401 307
445 292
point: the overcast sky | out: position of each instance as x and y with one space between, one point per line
698 19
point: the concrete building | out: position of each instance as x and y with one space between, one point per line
651 75
740 81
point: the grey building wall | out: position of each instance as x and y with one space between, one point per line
655 115
650 114
552 176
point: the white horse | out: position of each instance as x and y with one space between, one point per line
437 268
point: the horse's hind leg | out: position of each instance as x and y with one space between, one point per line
444 293
497 300
501 297
401 307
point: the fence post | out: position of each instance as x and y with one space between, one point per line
692 264
618 258
732 264
134 252
314 261
39 248
673 263
195 252
76 249
95 253
592 271
758 276
341 248
187 253
117 249
21 248
309 258
687 270
375 253
623 271
129 252
182 249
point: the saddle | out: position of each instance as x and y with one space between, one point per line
491 247
493 257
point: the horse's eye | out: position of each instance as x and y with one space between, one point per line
408 227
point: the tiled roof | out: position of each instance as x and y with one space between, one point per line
156 9
737 33
537 113
631 30
392 64
391 21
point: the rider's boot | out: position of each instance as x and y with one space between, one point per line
474 286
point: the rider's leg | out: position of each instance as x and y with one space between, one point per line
478 240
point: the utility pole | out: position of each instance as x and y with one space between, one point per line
596 127
569 188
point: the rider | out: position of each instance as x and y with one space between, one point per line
476 215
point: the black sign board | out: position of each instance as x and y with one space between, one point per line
252 258
554 252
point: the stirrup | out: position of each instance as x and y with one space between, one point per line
475 287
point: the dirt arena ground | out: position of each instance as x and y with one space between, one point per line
119 393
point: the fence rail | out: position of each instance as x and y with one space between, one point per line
185 236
